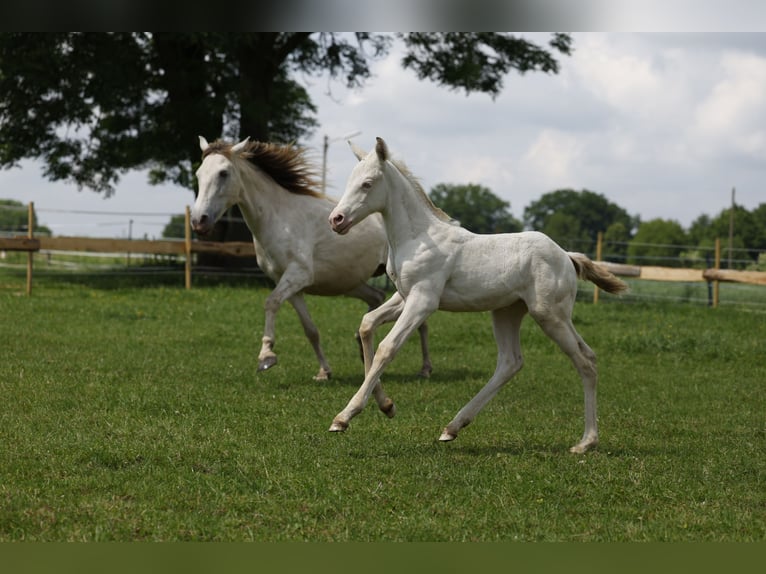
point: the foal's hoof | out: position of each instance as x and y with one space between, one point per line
447 436
267 363
338 426
584 446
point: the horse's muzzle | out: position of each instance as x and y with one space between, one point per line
202 225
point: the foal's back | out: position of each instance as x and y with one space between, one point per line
494 271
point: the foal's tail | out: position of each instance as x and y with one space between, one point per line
595 273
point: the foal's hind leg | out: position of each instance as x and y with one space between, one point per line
559 327
506 324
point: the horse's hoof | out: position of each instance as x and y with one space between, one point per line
338 426
267 363
447 436
425 373
323 375
389 409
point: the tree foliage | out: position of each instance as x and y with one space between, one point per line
92 106
557 212
658 242
476 207
14 218
478 61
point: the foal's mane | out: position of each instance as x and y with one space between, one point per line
405 171
285 164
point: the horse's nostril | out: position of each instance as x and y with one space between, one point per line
338 219
202 219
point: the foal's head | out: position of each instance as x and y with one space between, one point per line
366 189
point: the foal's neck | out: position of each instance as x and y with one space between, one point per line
409 212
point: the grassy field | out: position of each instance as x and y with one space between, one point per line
135 413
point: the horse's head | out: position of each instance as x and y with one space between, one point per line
364 193
219 182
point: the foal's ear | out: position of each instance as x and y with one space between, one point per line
203 145
236 148
381 149
358 152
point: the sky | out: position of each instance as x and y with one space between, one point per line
665 125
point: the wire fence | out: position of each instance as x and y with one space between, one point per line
119 267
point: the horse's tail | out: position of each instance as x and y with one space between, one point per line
595 273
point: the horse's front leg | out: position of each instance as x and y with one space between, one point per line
286 287
413 313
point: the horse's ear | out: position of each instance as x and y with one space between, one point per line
381 149
203 145
236 148
358 152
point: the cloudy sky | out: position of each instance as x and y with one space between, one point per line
664 125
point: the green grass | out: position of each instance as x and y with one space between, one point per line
137 414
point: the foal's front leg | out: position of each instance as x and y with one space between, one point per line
415 310
387 312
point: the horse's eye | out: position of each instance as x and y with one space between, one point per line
223 174
367 185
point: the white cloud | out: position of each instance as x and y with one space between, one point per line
731 119
554 158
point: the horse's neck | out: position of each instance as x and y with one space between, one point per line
261 200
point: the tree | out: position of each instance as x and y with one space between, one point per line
616 239
93 106
476 207
176 227
565 229
658 242
14 218
592 211
749 232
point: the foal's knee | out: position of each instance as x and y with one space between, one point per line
366 328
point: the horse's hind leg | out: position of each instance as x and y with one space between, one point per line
506 324
312 334
559 327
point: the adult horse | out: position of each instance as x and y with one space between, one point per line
274 187
437 265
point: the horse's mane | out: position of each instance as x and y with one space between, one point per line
404 170
285 164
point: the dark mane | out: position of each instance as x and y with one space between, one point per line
285 164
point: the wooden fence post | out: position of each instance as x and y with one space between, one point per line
187 249
30 254
599 241
717 266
